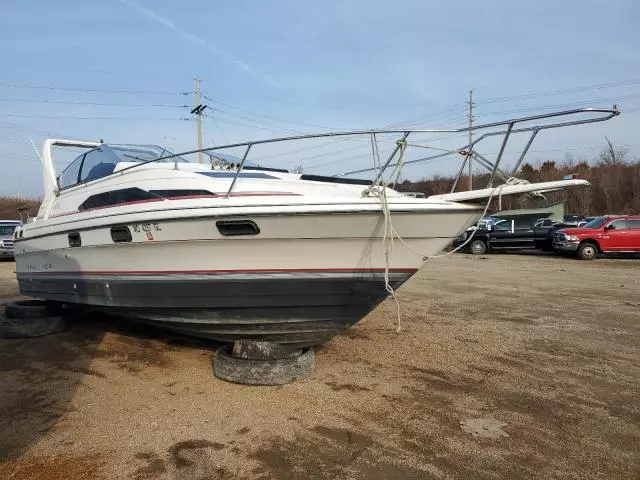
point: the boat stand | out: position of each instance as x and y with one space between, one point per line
254 362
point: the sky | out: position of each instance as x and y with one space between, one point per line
124 71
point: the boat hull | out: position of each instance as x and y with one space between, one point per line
300 281
304 308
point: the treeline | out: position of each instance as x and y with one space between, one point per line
615 185
10 206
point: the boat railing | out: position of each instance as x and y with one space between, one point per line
505 128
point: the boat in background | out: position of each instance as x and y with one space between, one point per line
229 251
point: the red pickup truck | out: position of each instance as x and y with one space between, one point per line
619 233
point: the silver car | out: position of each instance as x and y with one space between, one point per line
6 237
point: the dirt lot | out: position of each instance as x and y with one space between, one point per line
508 366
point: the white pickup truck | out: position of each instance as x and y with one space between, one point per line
6 237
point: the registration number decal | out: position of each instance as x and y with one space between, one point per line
146 227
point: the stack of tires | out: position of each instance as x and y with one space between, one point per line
253 362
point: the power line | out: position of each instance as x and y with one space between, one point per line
11 140
99 104
258 122
268 117
16 156
562 105
563 92
96 90
247 125
45 133
287 101
442 112
217 126
65 117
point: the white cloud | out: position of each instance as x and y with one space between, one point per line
241 64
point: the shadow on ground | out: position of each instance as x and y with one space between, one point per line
40 376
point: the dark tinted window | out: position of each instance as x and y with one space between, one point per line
115 197
70 174
181 193
242 175
635 224
618 225
322 178
97 163
502 226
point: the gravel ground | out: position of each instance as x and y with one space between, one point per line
509 366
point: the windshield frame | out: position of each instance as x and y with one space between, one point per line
120 154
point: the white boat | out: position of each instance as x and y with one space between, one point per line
230 252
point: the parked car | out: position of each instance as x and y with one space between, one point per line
6 237
544 223
544 230
608 234
575 220
507 235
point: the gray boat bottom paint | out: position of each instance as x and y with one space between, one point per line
294 308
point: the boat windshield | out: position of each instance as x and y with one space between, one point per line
143 153
101 161
596 222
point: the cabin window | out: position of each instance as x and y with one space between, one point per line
97 163
231 228
116 197
323 178
181 193
219 174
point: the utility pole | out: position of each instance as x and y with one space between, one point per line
197 110
470 102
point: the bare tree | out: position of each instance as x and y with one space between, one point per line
611 155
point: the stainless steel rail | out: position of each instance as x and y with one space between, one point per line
600 115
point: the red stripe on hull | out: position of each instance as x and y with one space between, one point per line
216 272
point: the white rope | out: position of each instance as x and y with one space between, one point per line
380 191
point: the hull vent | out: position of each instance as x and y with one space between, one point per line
230 228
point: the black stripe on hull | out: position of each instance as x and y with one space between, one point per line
303 309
